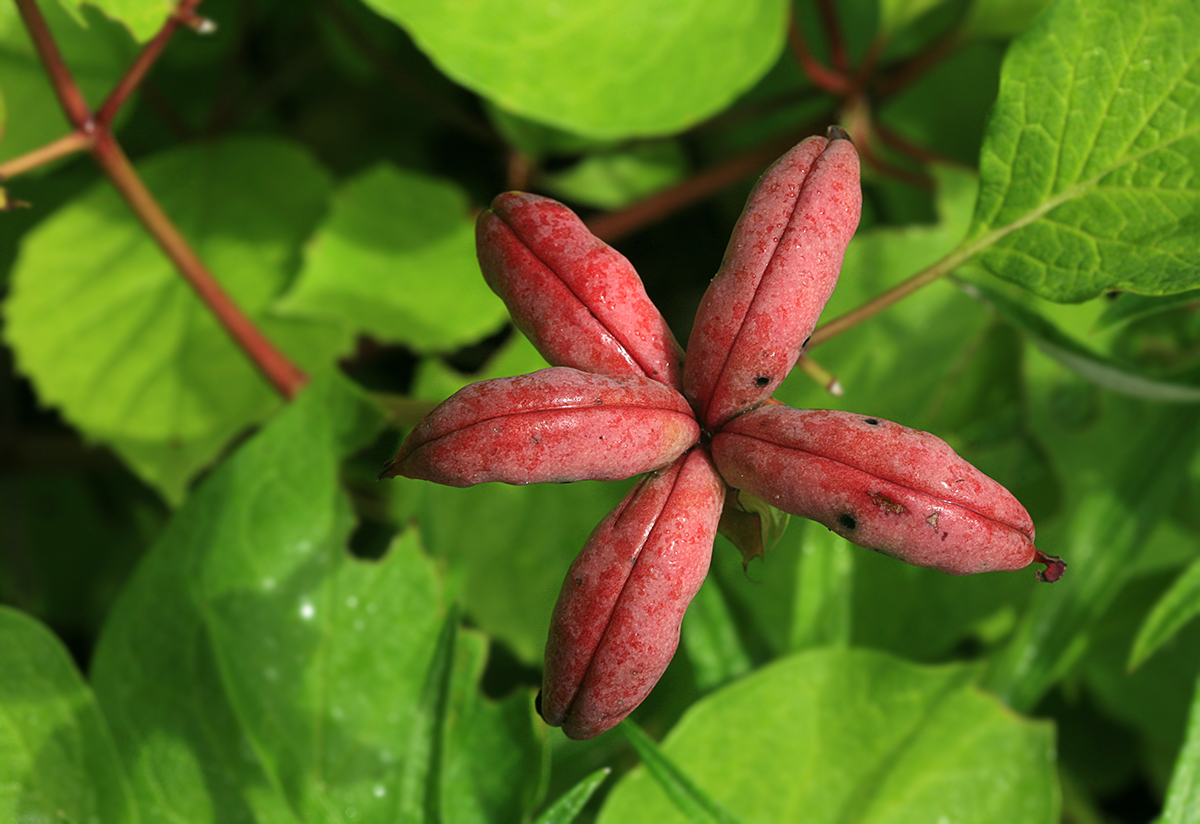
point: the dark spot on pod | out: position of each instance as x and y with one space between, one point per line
847 520
537 704
761 380
871 421
804 345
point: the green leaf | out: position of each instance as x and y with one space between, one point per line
57 759
1086 181
607 68
97 51
689 799
617 177
1100 536
1002 18
509 548
249 623
824 610
143 18
1079 358
1177 607
568 807
395 259
895 14
853 736
1183 795
109 332
1129 307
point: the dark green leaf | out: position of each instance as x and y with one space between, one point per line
57 759
1086 169
1100 536
1130 307
1183 795
1177 607
1077 357
567 808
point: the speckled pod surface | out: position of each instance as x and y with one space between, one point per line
616 623
779 270
551 426
881 485
578 300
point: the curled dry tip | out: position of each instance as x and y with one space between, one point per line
1055 567
837 133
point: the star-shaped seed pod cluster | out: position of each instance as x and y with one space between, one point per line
621 400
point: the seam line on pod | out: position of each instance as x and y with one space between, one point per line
946 501
633 569
624 349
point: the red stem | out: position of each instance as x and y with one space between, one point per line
69 96
614 225
821 77
149 55
287 378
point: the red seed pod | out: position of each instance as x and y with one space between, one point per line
880 485
779 270
616 625
575 297
552 426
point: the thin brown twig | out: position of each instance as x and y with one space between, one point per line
657 207
287 378
909 72
833 31
150 53
79 115
65 146
823 78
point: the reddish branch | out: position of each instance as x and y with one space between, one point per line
93 133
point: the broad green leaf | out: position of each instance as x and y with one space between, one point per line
143 18
1077 357
615 178
57 759
1113 509
689 799
606 68
249 622
111 334
97 54
853 736
1177 607
1086 181
1183 795
568 807
395 259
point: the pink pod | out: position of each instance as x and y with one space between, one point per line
552 426
880 485
779 270
616 624
575 297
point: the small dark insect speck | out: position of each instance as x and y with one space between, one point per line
847 520
872 421
762 380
